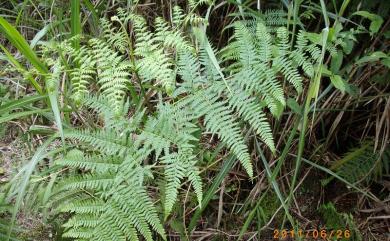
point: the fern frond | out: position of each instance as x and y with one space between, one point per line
219 119
87 181
153 137
264 45
362 163
189 69
120 212
127 224
82 75
141 207
154 63
88 206
275 17
264 82
314 51
282 61
88 221
113 73
246 47
193 19
79 233
193 175
299 56
178 16
178 166
285 65
114 37
174 173
171 38
104 141
250 110
195 3
95 163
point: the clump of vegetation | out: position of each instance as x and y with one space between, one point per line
165 121
340 221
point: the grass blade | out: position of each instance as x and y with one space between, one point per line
57 114
94 13
341 179
202 38
75 22
274 183
30 167
226 167
17 115
312 94
11 105
21 44
22 70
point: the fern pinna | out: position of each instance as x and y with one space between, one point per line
113 162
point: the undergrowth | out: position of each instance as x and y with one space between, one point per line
137 119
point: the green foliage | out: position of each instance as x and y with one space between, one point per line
107 171
112 202
98 62
183 90
109 176
335 220
261 57
154 63
5 210
376 20
363 163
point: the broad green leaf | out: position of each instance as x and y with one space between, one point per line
376 20
386 62
348 46
336 62
338 82
334 32
294 106
279 110
373 57
314 37
387 34
325 71
351 89
376 25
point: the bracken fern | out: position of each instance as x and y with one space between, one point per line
111 163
